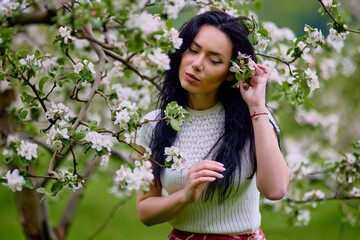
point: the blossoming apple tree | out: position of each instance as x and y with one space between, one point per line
77 75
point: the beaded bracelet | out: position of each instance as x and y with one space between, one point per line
256 116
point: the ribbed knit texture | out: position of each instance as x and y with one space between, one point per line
239 213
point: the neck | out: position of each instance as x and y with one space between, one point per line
201 101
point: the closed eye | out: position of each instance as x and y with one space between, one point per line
215 61
193 50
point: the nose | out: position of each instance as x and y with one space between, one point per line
198 64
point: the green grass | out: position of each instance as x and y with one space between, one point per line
97 205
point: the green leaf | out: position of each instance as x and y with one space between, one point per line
24 162
86 75
2 180
71 75
28 184
56 187
37 53
65 142
26 98
309 103
169 24
41 190
175 124
8 158
23 114
34 113
42 82
92 125
79 135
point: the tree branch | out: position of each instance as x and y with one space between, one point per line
131 67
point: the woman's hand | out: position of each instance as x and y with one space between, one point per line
255 95
199 175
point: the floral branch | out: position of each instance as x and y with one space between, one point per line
131 67
335 21
336 197
106 99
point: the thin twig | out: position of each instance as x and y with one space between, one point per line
335 197
103 225
131 67
336 22
106 99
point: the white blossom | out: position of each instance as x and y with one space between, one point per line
312 79
99 141
317 194
355 192
328 3
65 32
336 40
14 180
303 218
315 36
105 159
27 150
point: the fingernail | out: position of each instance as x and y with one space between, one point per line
220 163
213 178
221 176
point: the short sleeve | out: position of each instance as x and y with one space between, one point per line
273 121
143 136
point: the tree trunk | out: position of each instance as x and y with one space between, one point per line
32 215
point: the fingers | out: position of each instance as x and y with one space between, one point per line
205 171
208 164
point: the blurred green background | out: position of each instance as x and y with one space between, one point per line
98 203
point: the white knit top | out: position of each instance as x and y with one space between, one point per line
239 213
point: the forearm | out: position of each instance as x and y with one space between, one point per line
155 210
272 176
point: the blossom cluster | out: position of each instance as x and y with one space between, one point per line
175 115
315 36
355 192
72 181
58 111
145 22
65 32
136 177
139 96
348 169
126 114
9 7
99 141
30 60
277 34
85 65
312 79
152 59
328 3
28 150
336 39
314 194
14 181
56 133
173 7
174 160
243 68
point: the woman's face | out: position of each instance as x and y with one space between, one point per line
205 65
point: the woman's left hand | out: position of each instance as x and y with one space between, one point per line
255 95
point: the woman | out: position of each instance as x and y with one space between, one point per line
230 143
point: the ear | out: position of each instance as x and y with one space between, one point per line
230 76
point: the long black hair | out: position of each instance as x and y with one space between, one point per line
237 132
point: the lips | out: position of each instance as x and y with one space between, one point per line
191 77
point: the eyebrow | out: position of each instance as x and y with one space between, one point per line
212 52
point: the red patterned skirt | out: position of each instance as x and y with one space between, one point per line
181 235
